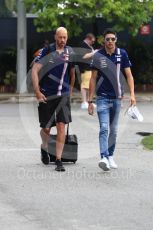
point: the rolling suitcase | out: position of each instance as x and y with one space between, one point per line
70 151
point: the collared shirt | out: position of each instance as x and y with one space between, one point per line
105 64
55 72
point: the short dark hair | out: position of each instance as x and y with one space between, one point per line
90 36
109 31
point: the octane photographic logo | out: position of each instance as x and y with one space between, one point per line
86 127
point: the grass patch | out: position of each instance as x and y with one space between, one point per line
148 142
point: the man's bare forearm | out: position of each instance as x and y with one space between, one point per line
131 85
35 78
92 85
130 81
72 79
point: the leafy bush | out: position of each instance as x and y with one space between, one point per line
141 56
7 63
148 142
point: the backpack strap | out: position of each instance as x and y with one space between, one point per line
63 73
118 67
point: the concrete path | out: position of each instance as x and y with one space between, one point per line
34 196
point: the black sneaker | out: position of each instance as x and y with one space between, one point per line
44 157
59 166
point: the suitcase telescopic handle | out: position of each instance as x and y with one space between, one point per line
67 132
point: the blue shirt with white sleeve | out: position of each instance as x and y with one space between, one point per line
106 65
55 77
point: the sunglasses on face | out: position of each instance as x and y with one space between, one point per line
110 39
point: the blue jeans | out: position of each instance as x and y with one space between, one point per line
108 111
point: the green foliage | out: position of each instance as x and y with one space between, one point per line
141 55
11 5
7 62
100 40
4 11
148 142
10 78
11 52
129 14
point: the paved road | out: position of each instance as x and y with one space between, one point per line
34 196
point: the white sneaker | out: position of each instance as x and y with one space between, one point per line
84 105
104 164
112 163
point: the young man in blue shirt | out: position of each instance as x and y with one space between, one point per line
53 92
107 78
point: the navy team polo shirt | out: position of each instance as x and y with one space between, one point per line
56 67
106 65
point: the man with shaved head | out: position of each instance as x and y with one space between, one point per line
53 92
